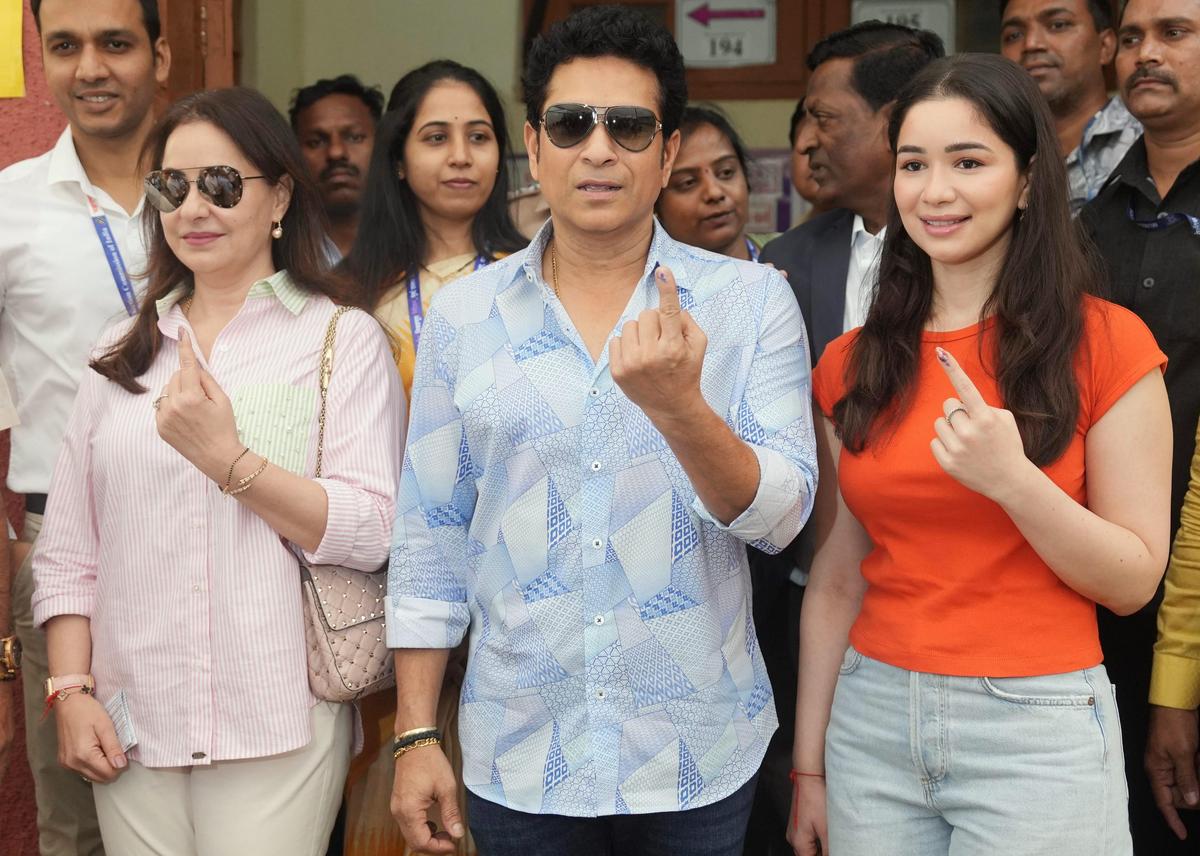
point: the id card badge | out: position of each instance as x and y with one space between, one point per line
118 711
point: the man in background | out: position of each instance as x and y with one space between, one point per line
335 120
1065 45
105 62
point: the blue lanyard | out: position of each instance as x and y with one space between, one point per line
1164 221
112 253
752 249
416 311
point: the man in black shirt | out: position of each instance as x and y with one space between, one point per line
1146 221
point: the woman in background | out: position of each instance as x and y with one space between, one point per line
706 202
435 209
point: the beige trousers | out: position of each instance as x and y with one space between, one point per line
282 805
66 813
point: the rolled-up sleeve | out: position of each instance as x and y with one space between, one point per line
67 555
427 572
364 442
774 417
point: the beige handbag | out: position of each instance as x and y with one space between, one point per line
348 656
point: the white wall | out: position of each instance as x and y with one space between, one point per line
289 43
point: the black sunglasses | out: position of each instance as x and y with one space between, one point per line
631 128
221 185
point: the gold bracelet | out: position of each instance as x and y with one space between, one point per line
413 731
244 483
417 744
229 478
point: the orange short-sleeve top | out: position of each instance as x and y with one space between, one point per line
952 585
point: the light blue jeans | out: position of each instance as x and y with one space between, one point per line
921 764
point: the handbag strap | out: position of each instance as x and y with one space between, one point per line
326 371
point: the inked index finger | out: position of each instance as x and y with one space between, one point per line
189 369
963 385
668 301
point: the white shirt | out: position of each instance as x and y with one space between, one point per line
862 273
56 296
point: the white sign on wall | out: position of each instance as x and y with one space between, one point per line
725 33
936 15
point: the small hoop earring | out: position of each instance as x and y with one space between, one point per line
277 230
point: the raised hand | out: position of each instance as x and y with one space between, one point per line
195 416
657 359
978 445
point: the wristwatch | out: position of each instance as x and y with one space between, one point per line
10 658
59 683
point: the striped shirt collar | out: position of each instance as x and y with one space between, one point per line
279 285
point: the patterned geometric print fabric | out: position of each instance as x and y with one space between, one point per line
613 662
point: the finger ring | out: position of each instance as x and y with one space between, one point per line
86 779
950 416
158 400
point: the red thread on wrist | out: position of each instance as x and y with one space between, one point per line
58 695
796 774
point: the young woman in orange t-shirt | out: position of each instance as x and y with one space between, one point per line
995 461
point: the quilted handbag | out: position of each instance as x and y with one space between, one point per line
348 657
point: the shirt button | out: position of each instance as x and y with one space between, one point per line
597 543
198 756
600 694
598 620
196 588
595 466
594 392
1148 282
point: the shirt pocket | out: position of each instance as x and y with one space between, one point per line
277 421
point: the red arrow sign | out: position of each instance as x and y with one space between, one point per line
704 14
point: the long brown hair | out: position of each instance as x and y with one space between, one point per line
263 136
1037 300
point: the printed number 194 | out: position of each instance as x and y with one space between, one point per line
724 46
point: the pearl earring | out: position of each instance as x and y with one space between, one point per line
277 231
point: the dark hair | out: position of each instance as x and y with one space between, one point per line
1100 10
797 114
696 115
886 56
263 136
391 239
343 84
599 31
1038 294
149 17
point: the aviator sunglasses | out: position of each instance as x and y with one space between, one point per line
221 185
631 128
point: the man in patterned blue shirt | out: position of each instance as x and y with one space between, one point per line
600 423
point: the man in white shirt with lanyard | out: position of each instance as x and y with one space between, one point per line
70 245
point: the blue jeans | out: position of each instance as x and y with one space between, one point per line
712 830
921 764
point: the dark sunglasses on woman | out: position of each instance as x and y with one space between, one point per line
221 185
631 128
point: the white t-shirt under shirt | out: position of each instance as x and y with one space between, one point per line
57 294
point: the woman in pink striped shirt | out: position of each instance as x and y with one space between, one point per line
164 569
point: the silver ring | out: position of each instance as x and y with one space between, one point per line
950 416
158 400
86 779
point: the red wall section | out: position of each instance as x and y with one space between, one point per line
29 125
